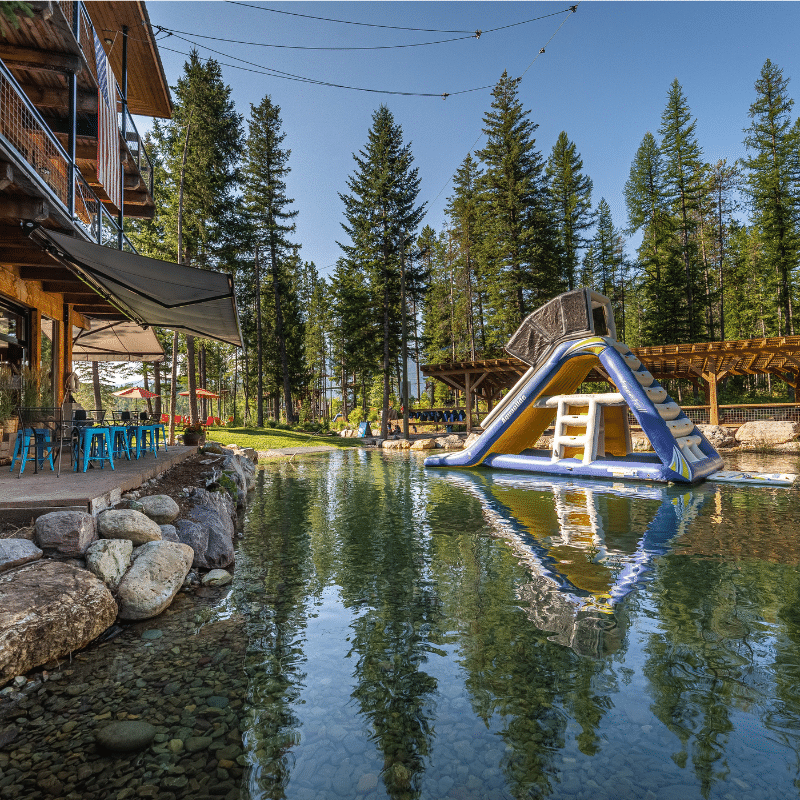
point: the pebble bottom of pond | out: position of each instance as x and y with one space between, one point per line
180 672
396 632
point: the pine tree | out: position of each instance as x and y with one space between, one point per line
645 198
609 262
268 207
683 171
463 210
200 148
773 182
520 252
381 210
571 200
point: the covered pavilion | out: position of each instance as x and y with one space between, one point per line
709 362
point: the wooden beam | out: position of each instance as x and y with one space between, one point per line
6 175
46 97
710 379
23 208
39 60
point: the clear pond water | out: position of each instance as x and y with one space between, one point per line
420 633
397 632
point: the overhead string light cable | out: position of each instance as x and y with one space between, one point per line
472 35
572 10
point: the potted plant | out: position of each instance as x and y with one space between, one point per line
194 434
8 402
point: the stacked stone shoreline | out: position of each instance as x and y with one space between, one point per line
68 578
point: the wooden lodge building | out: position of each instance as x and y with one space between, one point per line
72 168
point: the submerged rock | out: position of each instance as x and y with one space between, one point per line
217 577
49 609
155 577
126 736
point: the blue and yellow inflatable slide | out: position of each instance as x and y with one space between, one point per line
562 341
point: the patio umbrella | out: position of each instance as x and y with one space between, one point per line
200 393
135 393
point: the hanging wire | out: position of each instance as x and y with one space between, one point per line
471 34
573 9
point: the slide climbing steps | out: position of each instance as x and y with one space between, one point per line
679 425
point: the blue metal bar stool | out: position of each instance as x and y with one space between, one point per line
94 444
120 443
32 437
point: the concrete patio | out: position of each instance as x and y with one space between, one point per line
22 499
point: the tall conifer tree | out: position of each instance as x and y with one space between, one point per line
571 199
773 182
683 173
520 248
381 209
271 216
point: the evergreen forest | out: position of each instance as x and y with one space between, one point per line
707 251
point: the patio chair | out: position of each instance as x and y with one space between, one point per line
36 429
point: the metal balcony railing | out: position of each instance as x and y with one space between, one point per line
22 130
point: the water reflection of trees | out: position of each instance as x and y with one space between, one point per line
516 679
384 577
711 658
275 562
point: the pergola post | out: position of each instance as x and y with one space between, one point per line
468 398
711 397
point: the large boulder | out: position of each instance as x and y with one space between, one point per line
161 508
48 610
65 534
766 433
424 444
471 439
155 577
718 436
452 442
16 552
196 536
109 560
216 514
396 444
128 524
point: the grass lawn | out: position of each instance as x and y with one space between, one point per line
272 439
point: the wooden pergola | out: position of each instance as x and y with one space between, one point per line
710 362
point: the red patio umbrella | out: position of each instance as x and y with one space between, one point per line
200 393
136 393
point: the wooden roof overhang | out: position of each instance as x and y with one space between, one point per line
709 361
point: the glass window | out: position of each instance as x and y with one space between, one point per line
14 335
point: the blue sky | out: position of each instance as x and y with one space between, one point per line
603 79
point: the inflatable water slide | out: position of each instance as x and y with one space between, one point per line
562 342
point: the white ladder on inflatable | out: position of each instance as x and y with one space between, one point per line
593 440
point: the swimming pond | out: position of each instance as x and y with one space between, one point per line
422 633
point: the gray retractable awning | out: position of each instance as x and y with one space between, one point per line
199 302
116 341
